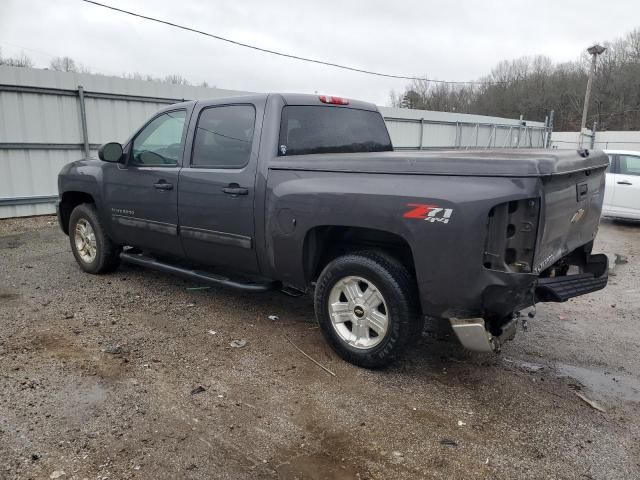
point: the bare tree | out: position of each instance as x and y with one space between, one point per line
532 86
176 79
68 64
21 60
63 64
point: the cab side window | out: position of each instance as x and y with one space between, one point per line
629 164
160 143
223 137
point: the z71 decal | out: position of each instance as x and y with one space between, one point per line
429 213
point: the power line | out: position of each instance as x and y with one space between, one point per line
287 55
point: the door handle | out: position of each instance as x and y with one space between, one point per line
235 189
624 182
163 185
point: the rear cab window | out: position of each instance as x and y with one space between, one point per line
310 129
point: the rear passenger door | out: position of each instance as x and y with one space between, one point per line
216 194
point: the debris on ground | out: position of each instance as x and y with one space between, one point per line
68 315
211 332
191 289
113 349
198 389
274 318
620 259
309 357
238 343
448 442
190 305
590 402
461 423
57 474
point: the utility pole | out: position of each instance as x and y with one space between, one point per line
594 51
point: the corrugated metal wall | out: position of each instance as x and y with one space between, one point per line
458 130
612 140
41 127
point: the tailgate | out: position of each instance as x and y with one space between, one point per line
570 214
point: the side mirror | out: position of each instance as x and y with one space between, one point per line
110 152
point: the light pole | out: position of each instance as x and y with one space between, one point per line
594 51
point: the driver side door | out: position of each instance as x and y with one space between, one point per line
142 195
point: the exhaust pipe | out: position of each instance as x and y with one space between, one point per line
473 334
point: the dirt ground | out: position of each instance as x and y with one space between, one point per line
131 375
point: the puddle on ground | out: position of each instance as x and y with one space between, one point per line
9 242
601 382
78 401
6 294
609 384
527 366
316 467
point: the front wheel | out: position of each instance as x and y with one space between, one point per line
366 306
93 249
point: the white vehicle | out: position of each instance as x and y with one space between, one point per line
622 191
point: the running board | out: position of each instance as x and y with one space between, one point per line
143 261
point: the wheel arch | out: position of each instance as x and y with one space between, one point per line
324 243
68 202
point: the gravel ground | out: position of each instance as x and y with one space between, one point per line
131 375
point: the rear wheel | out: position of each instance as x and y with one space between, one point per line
366 306
93 250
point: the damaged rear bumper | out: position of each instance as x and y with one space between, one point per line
479 335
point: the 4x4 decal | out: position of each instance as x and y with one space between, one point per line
429 213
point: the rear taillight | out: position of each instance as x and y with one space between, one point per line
512 229
333 100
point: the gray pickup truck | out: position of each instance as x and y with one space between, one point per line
301 192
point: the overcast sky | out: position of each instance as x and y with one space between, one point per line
445 39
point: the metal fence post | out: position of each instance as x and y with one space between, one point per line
477 133
455 138
550 129
83 122
545 134
421 133
593 135
519 131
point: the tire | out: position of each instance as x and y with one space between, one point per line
348 316
93 249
